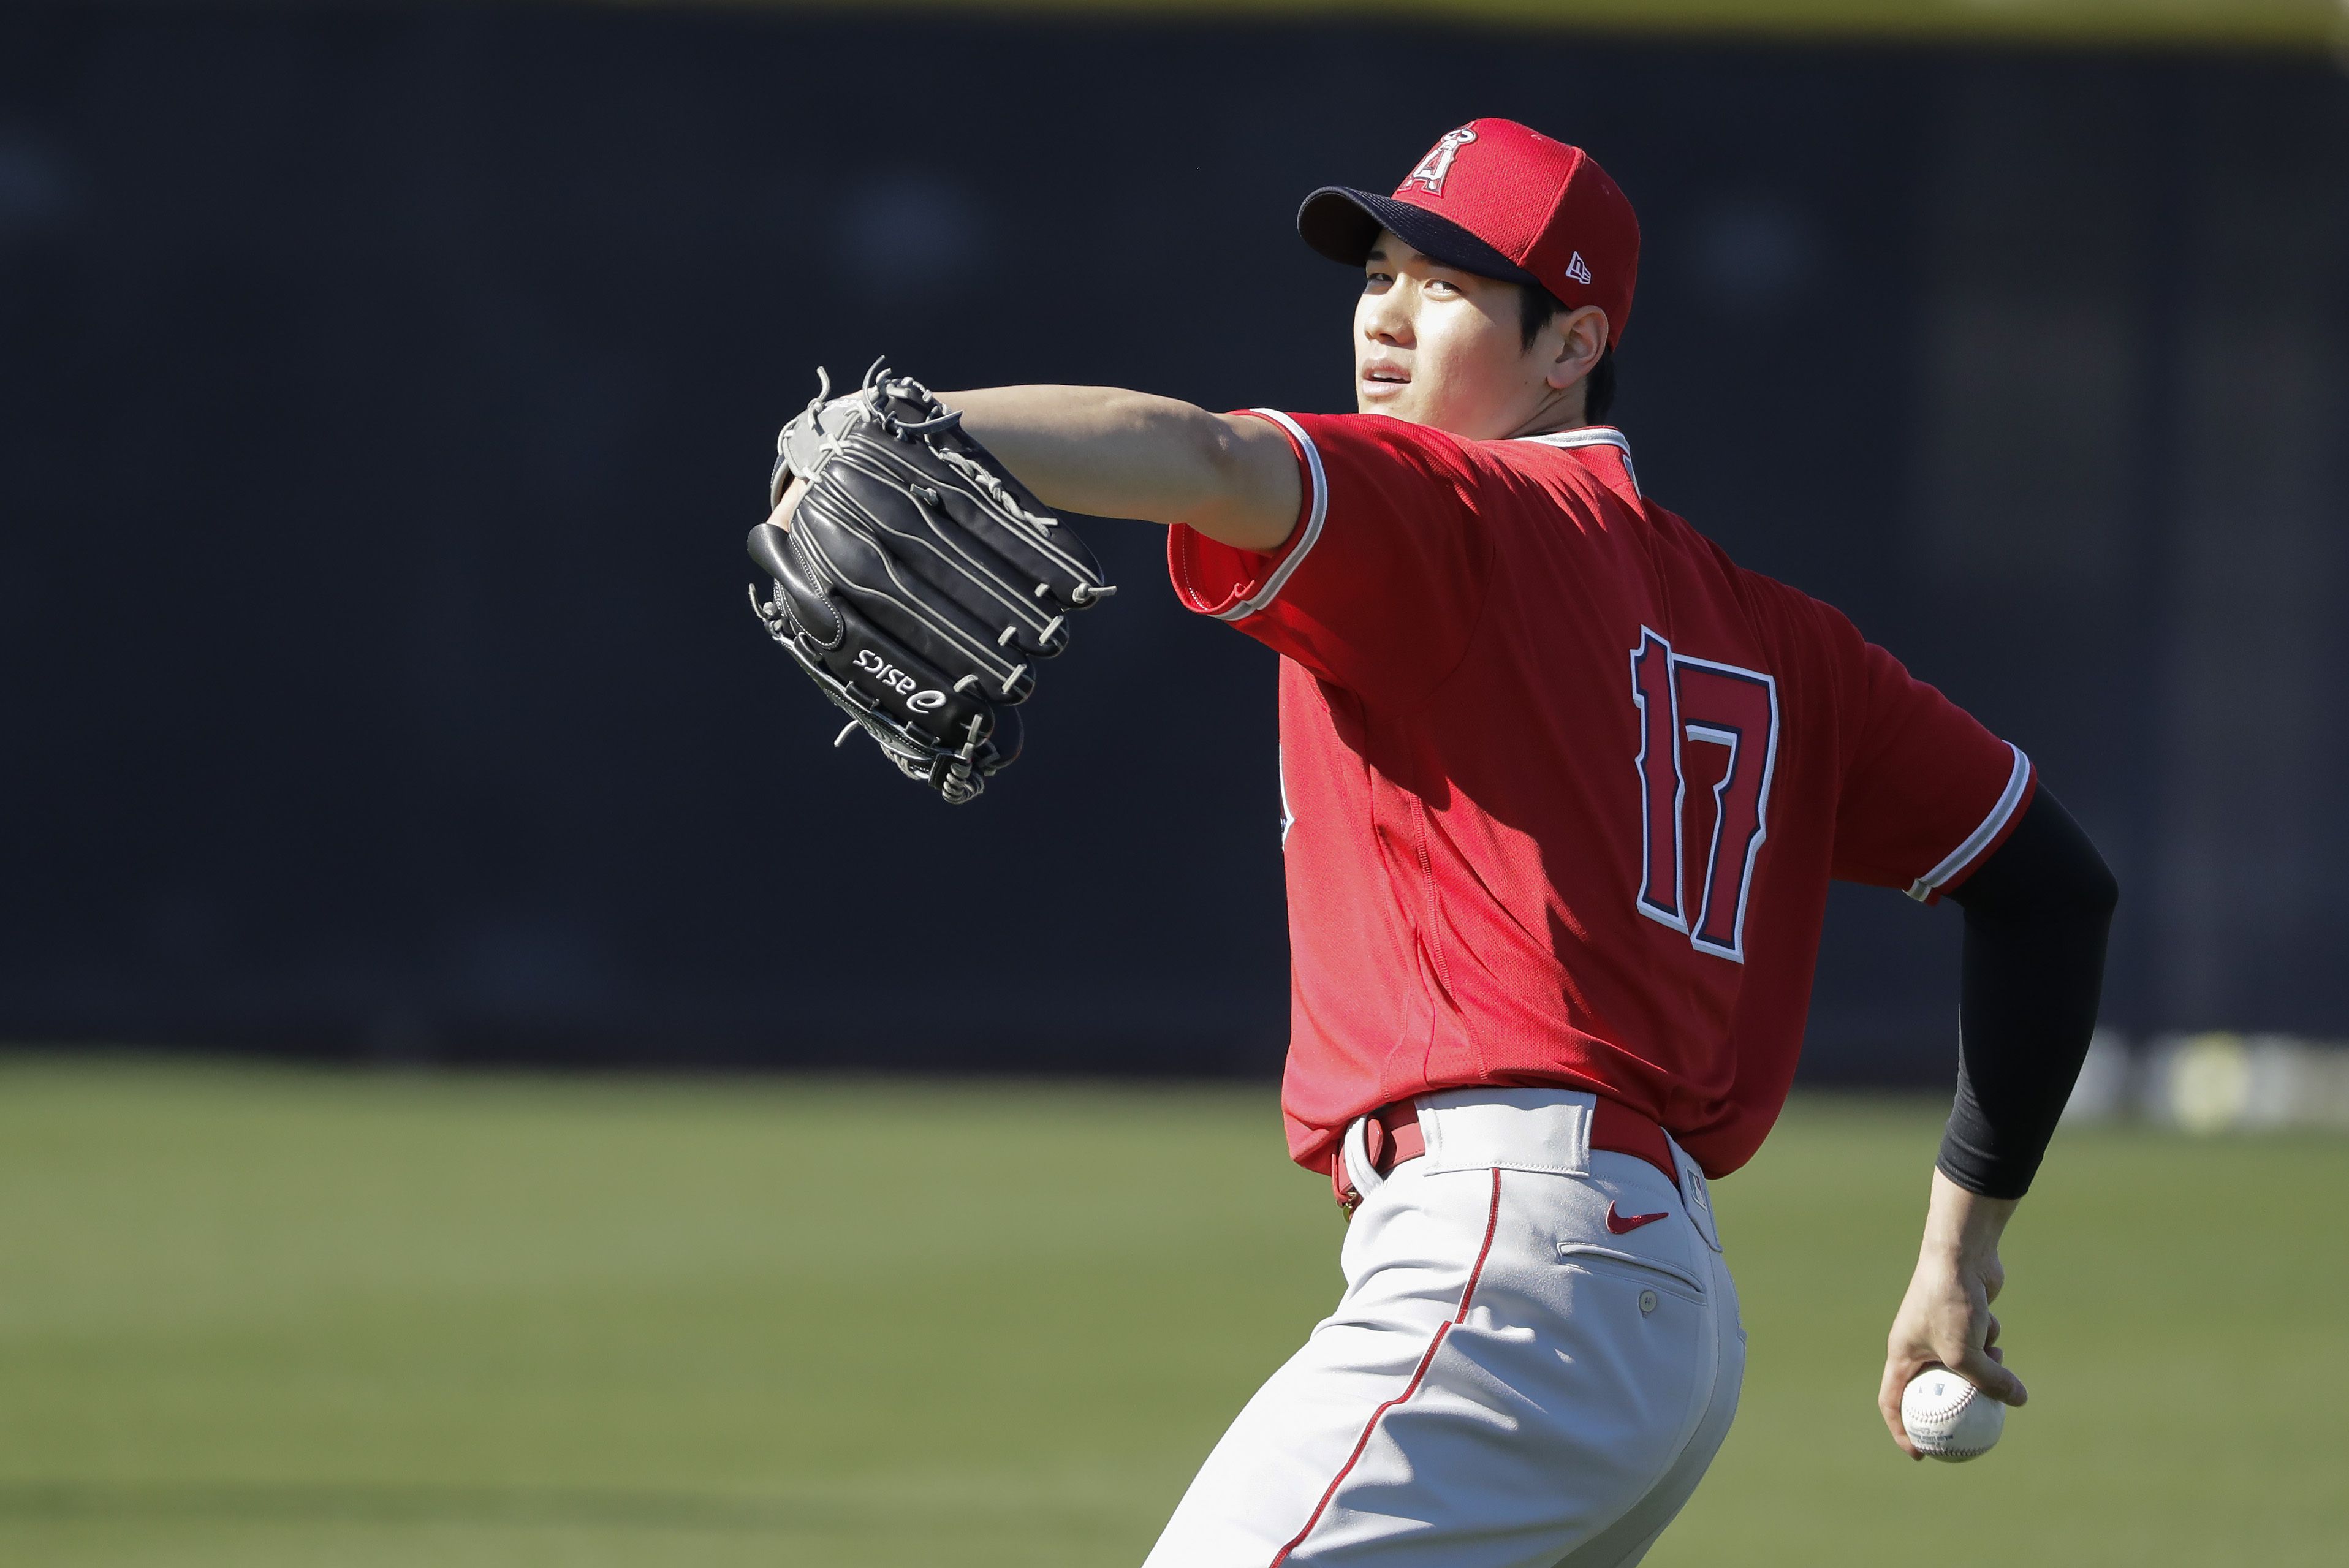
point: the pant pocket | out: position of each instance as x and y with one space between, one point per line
1631 1265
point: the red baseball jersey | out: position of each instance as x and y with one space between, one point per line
1563 787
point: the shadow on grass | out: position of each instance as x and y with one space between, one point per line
346 1503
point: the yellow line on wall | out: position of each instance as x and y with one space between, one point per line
2295 25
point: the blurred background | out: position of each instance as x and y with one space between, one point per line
384 390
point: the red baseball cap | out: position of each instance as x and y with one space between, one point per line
1502 201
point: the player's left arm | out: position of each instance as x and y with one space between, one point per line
2037 911
1115 453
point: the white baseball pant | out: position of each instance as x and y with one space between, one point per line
1521 1374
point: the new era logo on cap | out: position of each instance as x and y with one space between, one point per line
1577 269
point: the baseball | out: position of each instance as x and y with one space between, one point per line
1948 1418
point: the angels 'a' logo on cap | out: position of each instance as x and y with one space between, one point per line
1577 269
1429 175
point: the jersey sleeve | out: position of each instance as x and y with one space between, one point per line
1378 584
1928 793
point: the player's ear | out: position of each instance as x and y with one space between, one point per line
1583 338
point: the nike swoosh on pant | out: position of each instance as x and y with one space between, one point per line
1623 1226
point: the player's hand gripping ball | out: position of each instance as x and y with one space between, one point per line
919 583
1948 1418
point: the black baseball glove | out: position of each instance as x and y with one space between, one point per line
918 583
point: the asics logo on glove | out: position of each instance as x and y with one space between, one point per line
899 681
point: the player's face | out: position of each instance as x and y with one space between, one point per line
1442 347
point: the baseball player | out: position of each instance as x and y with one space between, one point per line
1562 790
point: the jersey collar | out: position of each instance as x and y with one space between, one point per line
1600 436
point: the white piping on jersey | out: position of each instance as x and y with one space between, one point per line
1592 436
1287 817
1313 519
1923 887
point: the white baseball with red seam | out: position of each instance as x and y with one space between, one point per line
1948 1418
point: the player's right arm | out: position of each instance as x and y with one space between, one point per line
1944 1320
2038 901
1115 453
2036 913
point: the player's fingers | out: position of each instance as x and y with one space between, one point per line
1990 1334
1992 1377
1890 1409
1899 1366
781 516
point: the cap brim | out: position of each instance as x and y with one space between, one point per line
1343 224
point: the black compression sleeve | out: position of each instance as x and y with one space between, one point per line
2036 914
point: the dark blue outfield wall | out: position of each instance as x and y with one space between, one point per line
384 396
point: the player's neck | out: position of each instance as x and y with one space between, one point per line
1560 410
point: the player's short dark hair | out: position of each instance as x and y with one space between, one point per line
1536 307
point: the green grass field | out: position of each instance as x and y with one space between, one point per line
262 1317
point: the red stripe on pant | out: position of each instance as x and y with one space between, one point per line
1492 1223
